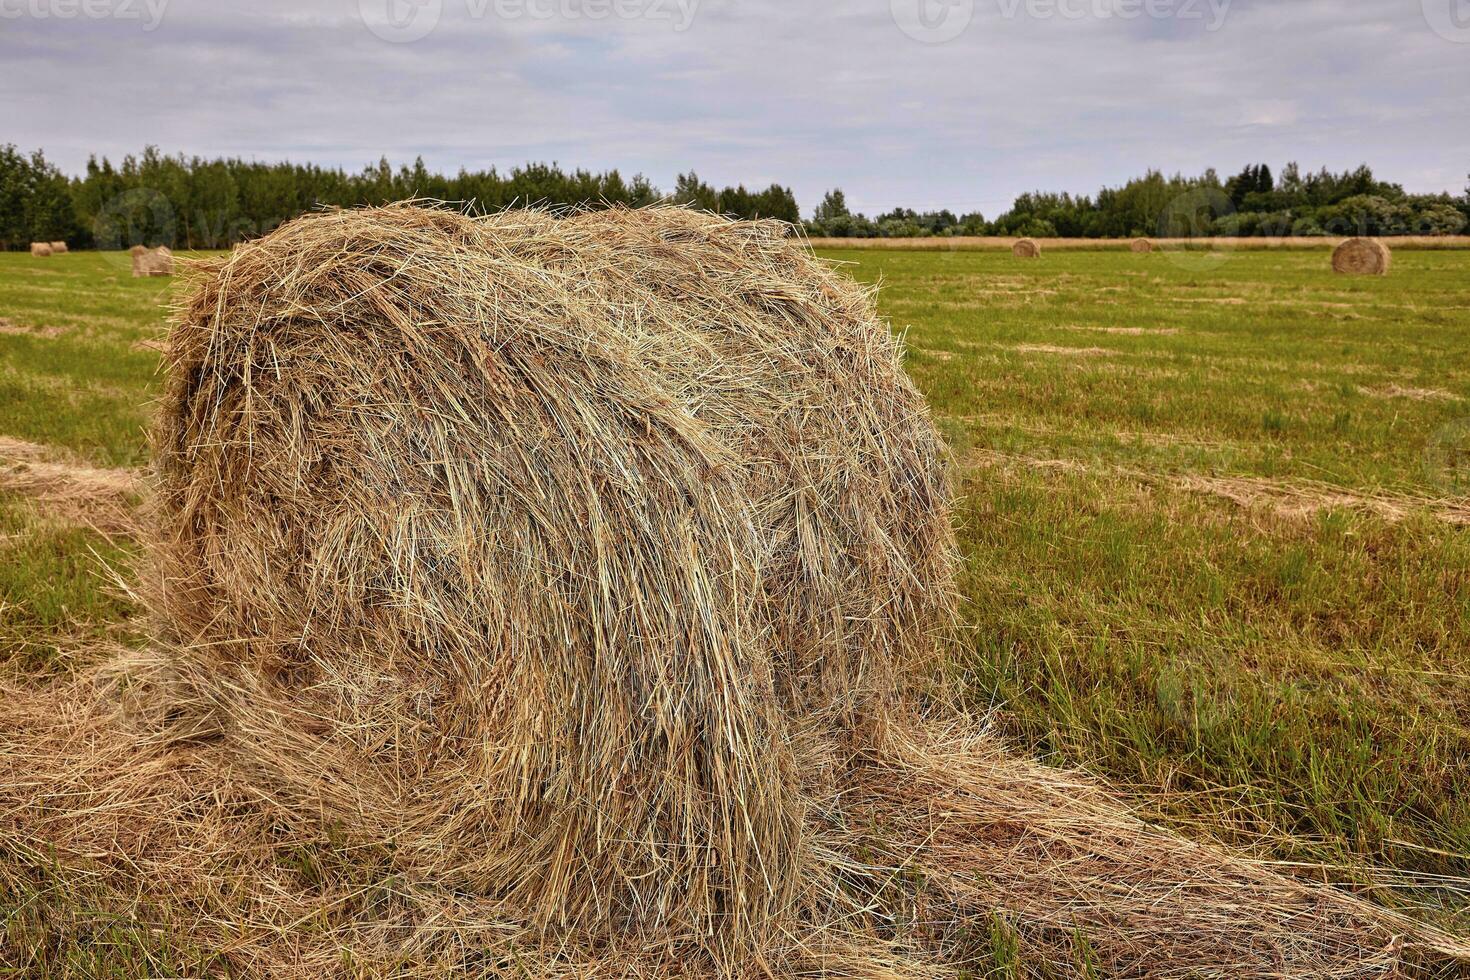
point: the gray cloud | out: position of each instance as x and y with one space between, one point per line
1059 94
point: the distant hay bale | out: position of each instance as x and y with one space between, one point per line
473 563
1362 257
152 262
1141 245
58 248
41 249
1026 248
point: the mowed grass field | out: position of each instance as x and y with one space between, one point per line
1213 511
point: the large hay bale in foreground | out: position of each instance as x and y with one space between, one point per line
152 262
41 249
460 542
1361 257
1141 246
59 248
1026 248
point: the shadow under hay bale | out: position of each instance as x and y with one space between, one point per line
1026 248
1361 257
152 262
41 249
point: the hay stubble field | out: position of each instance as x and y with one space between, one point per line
1214 520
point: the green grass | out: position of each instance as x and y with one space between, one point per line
1296 680
57 588
71 371
1290 677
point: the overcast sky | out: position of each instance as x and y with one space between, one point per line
923 103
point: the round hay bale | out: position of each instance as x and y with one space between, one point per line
152 262
459 570
59 248
1026 248
1361 257
41 249
1141 246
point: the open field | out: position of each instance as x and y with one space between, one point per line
1215 530
1214 517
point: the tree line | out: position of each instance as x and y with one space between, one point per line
192 202
1253 202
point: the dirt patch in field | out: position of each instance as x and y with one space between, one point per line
1304 500
16 330
1068 351
1214 300
1299 500
149 344
1413 394
61 487
991 458
1132 331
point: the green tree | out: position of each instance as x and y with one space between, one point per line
15 189
692 192
48 213
832 209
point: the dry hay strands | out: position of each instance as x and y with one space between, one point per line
115 785
59 248
120 802
41 249
786 363
1026 248
456 569
152 262
1057 857
104 499
1362 257
1141 246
